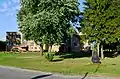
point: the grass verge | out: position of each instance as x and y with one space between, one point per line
76 66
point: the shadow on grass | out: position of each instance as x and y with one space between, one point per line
76 55
41 76
85 75
86 54
57 60
97 68
111 54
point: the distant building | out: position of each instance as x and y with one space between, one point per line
72 44
15 40
12 39
32 46
75 43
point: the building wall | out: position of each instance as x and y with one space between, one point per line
55 48
32 46
75 43
12 39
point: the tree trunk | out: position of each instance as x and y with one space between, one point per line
50 48
98 46
46 47
102 54
41 49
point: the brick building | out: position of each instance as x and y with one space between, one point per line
12 39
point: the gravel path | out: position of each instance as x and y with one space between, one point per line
17 73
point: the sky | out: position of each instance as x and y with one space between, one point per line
8 20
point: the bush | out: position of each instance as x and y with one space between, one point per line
49 56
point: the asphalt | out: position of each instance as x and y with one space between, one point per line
17 73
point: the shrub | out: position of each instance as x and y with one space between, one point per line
49 56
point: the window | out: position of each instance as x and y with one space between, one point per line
35 47
31 47
75 44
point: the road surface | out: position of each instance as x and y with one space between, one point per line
17 73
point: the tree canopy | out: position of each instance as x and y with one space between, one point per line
46 21
101 20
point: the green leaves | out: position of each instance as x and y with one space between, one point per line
46 21
101 20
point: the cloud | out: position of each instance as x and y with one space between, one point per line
10 14
2 38
15 8
10 7
5 5
12 11
9 2
15 1
2 10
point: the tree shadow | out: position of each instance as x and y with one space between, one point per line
85 75
76 55
113 64
97 68
41 76
57 60
111 54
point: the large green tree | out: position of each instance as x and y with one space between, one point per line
46 21
101 21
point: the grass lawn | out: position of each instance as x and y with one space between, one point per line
76 66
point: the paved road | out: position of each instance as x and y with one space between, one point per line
17 73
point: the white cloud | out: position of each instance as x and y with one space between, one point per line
2 10
10 13
5 5
3 39
10 7
9 2
15 1
15 8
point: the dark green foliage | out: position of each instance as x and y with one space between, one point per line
101 20
2 46
49 56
